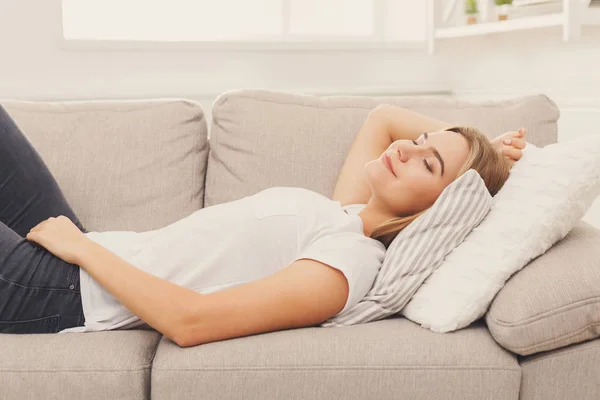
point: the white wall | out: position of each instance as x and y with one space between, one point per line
34 65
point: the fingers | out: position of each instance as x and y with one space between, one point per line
521 133
512 153
41 224
516 139
519 143
36 228
516 143
31 236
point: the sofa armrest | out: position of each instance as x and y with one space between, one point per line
555 300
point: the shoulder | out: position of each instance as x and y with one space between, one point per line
344 233
359 244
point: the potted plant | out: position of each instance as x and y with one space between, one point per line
502 9
472 11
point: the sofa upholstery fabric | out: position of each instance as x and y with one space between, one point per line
386 359
555 300
122 165
571 372
93 366
262 138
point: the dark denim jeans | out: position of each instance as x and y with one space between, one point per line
39 292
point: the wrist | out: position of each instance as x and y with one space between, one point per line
85 248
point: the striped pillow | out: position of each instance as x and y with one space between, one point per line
420 248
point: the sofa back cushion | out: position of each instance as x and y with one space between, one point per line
555 301
122 165
261 138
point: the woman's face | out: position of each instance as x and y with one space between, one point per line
408 177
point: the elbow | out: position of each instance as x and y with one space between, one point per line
184 336
182 343
384 110
183 339
179 338
379 110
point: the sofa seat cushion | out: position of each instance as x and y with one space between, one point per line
571 372
261 138
377 360
90 366
122 165
555 300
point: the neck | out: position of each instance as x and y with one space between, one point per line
373 215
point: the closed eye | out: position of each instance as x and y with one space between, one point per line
424 160
427 166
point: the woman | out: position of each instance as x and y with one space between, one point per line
282 258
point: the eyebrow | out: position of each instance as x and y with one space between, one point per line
435 153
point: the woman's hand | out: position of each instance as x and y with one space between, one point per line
510 145
61 237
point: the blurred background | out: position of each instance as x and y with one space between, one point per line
466 49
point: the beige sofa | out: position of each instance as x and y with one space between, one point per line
140 165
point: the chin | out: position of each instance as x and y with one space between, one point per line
375 171
370 172
382 191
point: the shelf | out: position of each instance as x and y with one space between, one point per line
484 28
574 15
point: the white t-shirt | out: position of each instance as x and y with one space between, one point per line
229 244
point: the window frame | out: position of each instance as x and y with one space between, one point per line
283 42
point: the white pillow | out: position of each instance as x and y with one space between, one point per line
548 191
419 248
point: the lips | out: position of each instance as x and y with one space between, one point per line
388 163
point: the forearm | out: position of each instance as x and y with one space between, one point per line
403 124
158 302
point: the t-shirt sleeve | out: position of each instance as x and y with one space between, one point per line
358 257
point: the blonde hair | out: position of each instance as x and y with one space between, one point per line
483 157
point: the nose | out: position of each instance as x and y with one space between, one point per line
400 155
404 152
